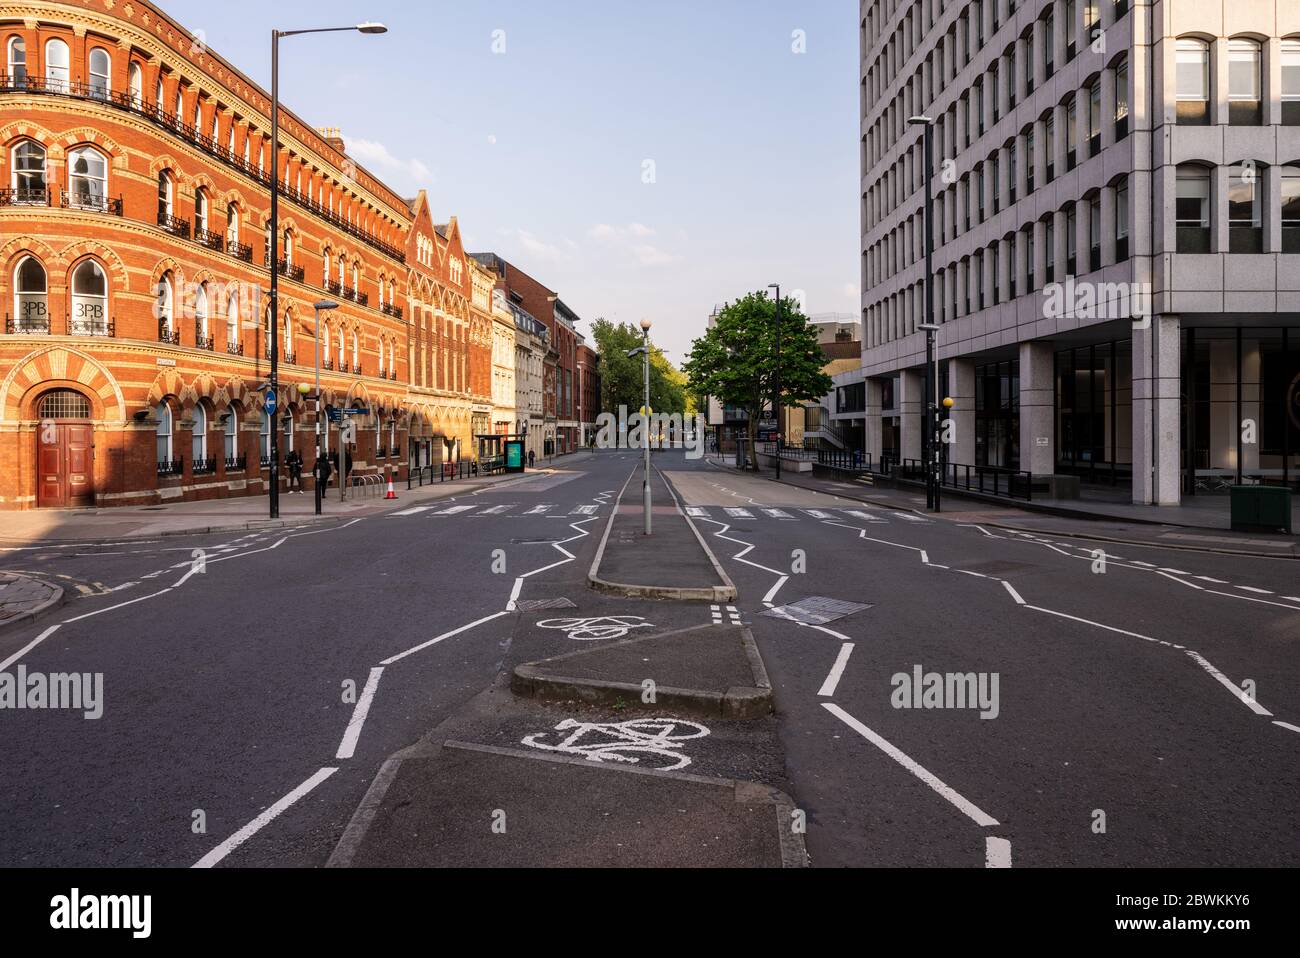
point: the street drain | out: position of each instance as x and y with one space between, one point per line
817 611
542 605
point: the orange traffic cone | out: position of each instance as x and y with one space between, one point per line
392 493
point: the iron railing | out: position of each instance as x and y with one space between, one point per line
201 341
14 197
239 251
205 467
27 327
174 225
988 480
168 334
170 468
844 460
389 309
89 202
153 112
236 463
234 349
213 241
295 273
92 327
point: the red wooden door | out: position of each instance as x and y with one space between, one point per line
65 466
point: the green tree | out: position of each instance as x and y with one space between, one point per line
736 360
622 378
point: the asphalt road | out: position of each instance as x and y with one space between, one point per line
1121 736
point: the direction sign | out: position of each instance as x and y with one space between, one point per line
356 412
270 403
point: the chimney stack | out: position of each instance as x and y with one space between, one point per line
334 137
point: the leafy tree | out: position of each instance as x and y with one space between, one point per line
622 379
735 361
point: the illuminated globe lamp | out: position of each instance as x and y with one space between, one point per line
949 403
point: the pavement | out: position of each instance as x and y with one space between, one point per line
1198 529
1095 705
678 566
25 599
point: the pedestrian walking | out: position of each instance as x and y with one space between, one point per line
321 471
532 457
294 463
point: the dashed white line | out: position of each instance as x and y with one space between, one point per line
837 672
348 747
997 853
214 857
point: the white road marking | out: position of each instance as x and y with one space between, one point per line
837 672
695 512
865 517
214 857
1014 594
1206 578
411 512
1223 680
455 510
348 747
31 645
967 808
818 514
539 510
997 853
446 635
1246 588
909 517
1288 726
779 514
739 513
495 510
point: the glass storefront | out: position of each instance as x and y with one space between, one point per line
1241 408
1094 412
997 415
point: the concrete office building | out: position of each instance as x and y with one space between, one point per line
1082 146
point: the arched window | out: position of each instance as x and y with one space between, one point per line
232 224
202 336
325 341
200 210
1290 54
65 404
166 306
1291 209
57 71
1192 209
198 116
381 354
288 249
1121 99
101 69
288 336
1244 83
164 197
1193 81
28 178
230 422
89 300
325 267
17 57
266 438
1245 216
342 358
216 128
31 297
268 332
164 433
232 322
356 353
288 431
199 441
158 96
135 83
88 178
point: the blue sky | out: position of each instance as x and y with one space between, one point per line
540 150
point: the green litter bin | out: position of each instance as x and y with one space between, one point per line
1261 509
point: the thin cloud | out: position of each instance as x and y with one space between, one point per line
377 156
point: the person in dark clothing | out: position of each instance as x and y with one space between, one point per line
322 471
532 457
294 463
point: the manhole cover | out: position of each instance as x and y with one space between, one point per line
543 605
817 611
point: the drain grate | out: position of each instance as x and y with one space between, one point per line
543 605
817 611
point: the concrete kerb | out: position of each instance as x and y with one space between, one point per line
529 680
794 853
715 594
1083 517
57 601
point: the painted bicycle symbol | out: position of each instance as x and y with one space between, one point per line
597 628
624 741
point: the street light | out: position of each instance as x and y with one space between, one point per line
776 392
644 351
930 419
323 306
273 252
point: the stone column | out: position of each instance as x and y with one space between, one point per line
961 389
874 427
1037 409
1157 434
911 409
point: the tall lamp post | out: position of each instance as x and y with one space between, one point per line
644 352
323 306
930 418
273 247
776 391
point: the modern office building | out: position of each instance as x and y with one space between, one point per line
1116 259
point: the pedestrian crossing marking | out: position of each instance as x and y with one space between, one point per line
818 514
539 510
585 511
412 512
778 514
738 514
695 512
454 511
864 516
495 510
909 517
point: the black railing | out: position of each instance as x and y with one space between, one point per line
92 327
25 198
288 357
333 287
236 463
295 273
265 461
381 452
392 375
27 327
213 241
390 310
168 334
202 341
239 251
155 113
347 292
170 468
988 480
205 467
355 369
174 225
327 364
362 298
234 349
83 200
844 460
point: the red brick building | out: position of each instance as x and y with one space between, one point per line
588 373
134 255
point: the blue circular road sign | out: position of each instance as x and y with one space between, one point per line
271 405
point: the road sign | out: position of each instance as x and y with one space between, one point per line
270 403
356 412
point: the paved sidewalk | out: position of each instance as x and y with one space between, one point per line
1177 530
227 515
675 563
23 599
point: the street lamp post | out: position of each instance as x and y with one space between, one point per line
930 418
776 392
645 329
321 307
273 246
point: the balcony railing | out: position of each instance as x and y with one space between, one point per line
92 327
174 225
239 251
295 273
265 462
355 368
202 341
327 364
170 468
135 104
392 374
168 334
234 349
213 241
90 202
33 326
25 198
205 467
333 287
236 463
347 292
362 298
288 358
388 309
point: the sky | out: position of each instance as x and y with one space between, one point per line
643 158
